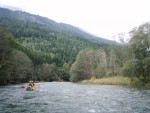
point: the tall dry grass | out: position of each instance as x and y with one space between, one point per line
119 80
116 80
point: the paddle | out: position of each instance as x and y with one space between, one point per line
23 86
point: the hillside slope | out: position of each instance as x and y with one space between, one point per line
50 41
49 47
26 17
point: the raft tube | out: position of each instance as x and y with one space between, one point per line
30 88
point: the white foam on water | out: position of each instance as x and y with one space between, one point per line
92 111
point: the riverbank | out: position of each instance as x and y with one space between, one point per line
118 80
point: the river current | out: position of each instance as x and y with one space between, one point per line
66 97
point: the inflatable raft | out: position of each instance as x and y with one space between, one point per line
30 88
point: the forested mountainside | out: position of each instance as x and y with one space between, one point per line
48 44
26 17
37 48
60 42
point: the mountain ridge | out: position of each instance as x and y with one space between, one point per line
44 40
24 16
51 47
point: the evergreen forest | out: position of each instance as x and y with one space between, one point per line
37 48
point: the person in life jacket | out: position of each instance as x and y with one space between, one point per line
30 84
33 85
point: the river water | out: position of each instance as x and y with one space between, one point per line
65 97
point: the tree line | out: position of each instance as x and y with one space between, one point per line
131 59
21 60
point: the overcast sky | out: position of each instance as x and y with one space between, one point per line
104 18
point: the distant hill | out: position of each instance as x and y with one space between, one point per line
47 40
51 24
50 47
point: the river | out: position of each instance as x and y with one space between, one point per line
66 97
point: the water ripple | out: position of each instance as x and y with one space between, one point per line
64 97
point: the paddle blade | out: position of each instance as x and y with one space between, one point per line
23 86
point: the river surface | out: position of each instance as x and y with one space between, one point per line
65 97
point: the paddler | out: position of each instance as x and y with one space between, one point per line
30 84
33 85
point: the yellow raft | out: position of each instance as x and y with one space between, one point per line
29 88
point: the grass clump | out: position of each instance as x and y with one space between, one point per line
119 80
116 80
